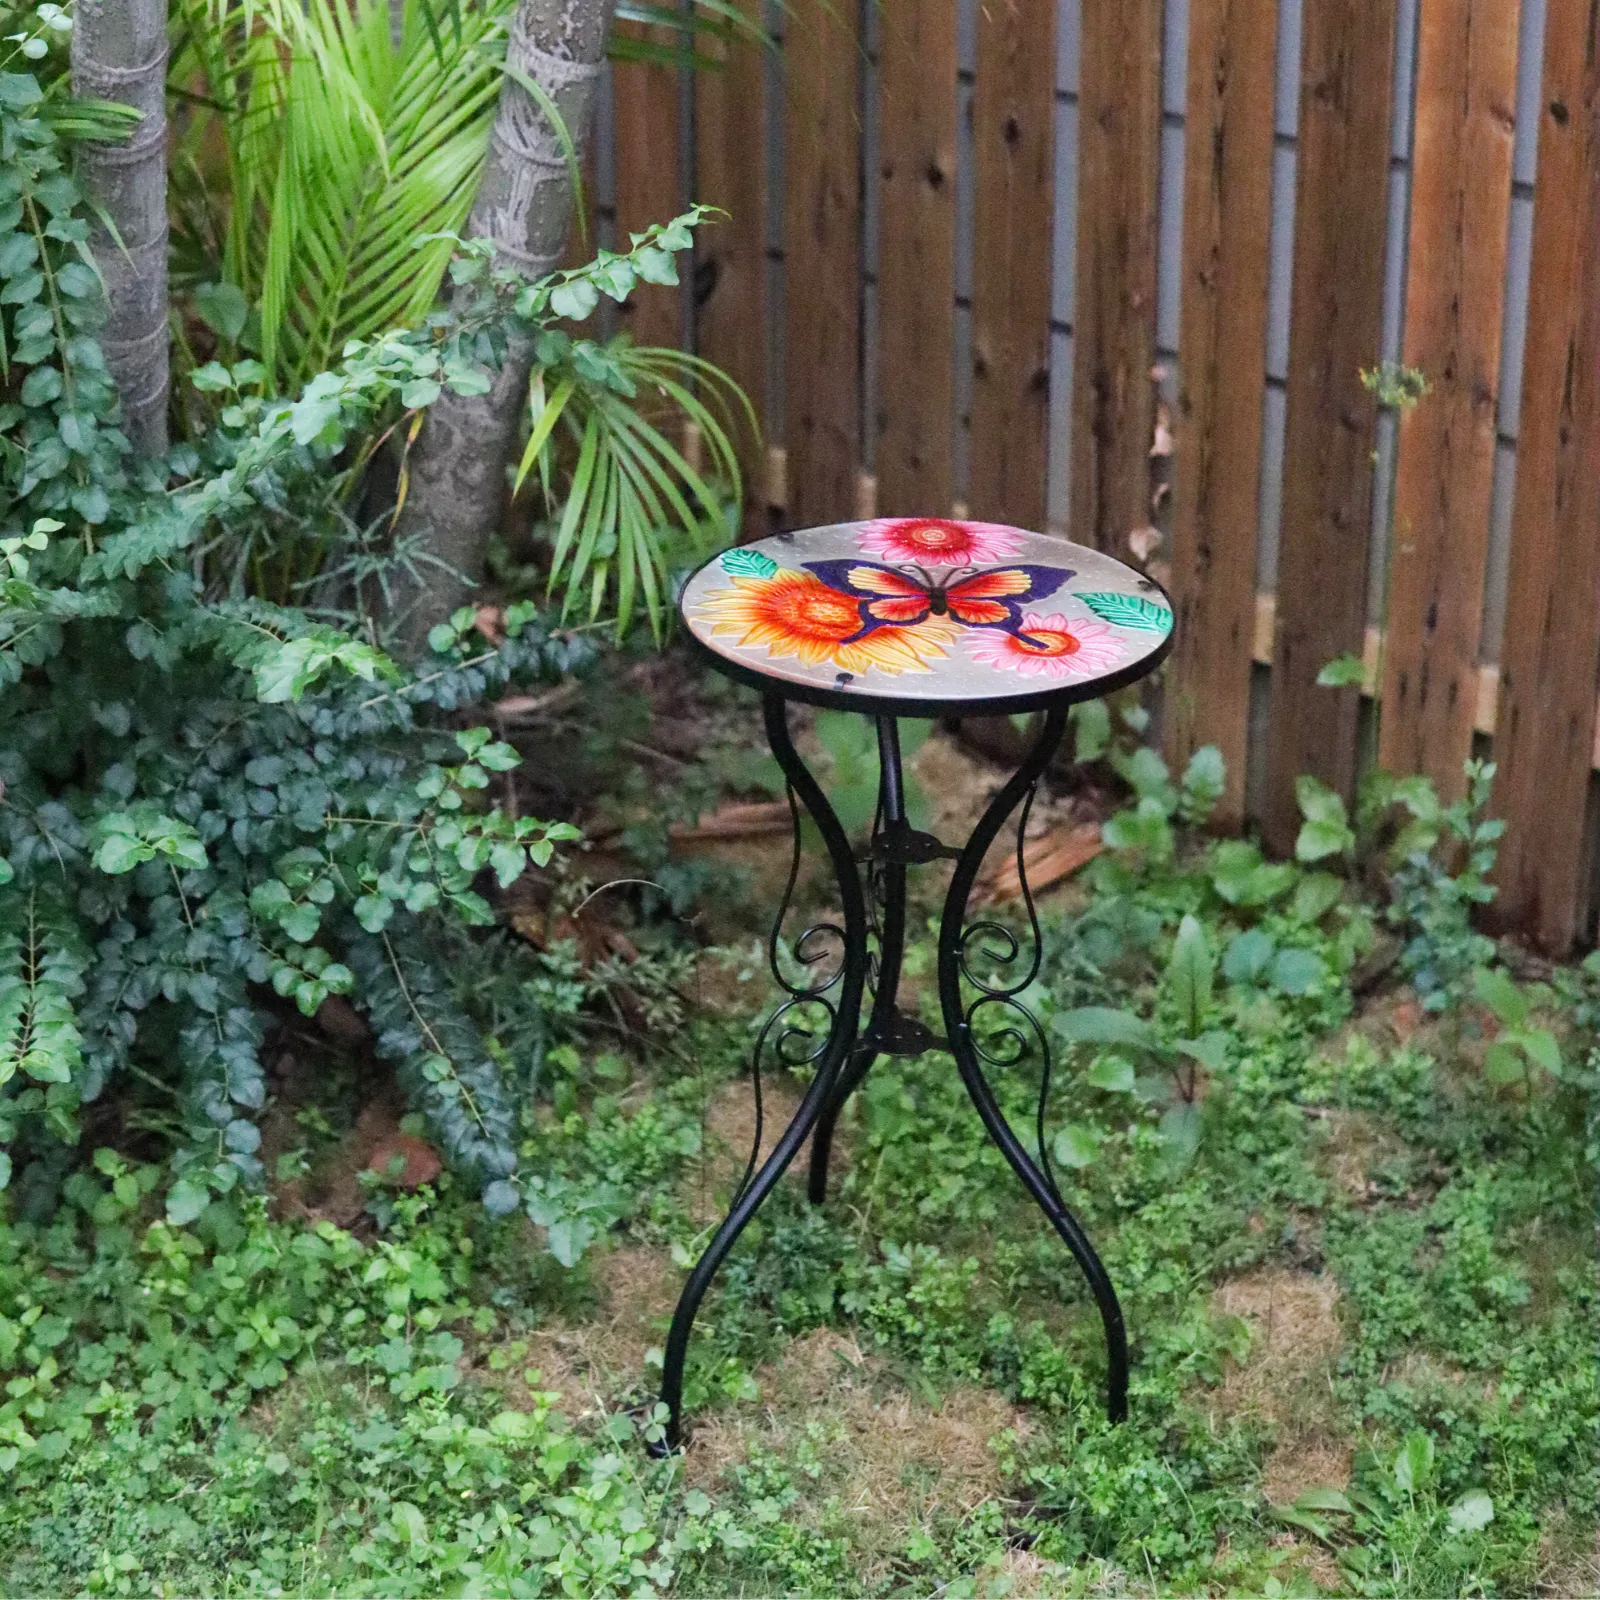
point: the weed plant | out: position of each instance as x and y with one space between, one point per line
248 1404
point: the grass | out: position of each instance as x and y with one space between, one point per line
948 1429
1362 1313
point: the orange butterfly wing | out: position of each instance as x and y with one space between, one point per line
904 599
979 601
886 596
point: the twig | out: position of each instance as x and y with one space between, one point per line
615 883
528 707
432 1038
652 754
742 820
417 683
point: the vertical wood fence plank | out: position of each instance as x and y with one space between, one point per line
1461 177
730 256
1114 332
1346 68
1227 213
1013 124
645 95
1544 729
822 260
916 258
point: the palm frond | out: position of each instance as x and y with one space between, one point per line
722 21
340 148
633 501
314 150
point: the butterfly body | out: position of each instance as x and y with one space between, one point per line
898 597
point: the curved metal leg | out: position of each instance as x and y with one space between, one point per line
886 888
844 1017
955 936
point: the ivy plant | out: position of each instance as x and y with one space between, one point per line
208 795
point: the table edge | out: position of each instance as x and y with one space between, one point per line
871 704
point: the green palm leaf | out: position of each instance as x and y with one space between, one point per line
340 147
316 150
632 494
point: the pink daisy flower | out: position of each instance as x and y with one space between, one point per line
939 541
1052 647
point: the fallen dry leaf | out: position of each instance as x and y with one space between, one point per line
1405 1019
594 936
1053 856
738 819
421 1163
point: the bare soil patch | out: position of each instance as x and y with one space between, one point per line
1568 1573
890 1460
585 1362
1296 1337
730 1134
1354 1146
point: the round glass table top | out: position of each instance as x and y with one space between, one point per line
926 616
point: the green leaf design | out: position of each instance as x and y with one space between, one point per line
748 563
1129 611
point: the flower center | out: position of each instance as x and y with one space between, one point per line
815 610
935 535
1047 642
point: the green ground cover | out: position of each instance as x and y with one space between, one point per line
1354 1240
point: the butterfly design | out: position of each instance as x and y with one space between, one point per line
895 597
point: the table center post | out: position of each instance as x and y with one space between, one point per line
885 891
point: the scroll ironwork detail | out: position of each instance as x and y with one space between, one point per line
1021 1036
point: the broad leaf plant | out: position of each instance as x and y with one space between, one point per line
206 795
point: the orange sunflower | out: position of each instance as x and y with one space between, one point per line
797 614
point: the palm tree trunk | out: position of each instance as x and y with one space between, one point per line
524 204
119 52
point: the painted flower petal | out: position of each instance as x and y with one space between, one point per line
796 614
939 541
1051 646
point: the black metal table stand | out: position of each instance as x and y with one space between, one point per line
837 967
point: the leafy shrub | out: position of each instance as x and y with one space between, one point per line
1443 857
209 794
1437 857
291 1406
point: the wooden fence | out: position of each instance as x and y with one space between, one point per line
1098 265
